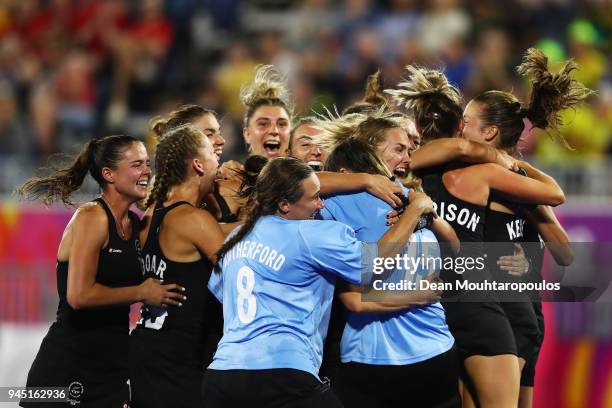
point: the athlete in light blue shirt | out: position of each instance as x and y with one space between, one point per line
409 349
402 337
276 288
276 284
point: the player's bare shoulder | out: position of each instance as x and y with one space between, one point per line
90 220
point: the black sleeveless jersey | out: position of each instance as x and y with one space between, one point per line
118 266
89 347
188 319
171 347
467 219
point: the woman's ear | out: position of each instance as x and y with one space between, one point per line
491 132
284 206
197 166
108 175
246 136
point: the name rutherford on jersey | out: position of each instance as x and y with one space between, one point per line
485 285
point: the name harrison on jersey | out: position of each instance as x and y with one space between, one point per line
464 217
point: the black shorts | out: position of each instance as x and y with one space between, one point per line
528 374
280 387
91 363
480 328
164 371
431 383
524 323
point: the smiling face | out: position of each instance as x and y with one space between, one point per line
473 128
395 151
209 125
413 134
132 173
309 203
267 132
304 146
206 164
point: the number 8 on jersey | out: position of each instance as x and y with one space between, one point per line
247 304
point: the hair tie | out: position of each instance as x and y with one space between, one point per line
433 115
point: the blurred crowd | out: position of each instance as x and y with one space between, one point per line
71 70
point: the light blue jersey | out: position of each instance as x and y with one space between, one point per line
277 287
396 338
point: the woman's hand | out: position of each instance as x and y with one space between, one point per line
507 161
422 202
154 293
517 264
385 189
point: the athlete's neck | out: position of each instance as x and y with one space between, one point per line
118 204
187 191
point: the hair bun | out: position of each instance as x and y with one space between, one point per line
267 84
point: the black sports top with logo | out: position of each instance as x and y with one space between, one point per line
87 349
117 266
171 342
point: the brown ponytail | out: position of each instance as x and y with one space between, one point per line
183 115
550 94
95 155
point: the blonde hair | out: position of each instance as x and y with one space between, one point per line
436 104
174 149
269 88
369 130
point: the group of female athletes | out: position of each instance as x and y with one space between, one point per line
242 269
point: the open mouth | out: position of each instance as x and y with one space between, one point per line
316 165
143 183
400 172
218 153
272 148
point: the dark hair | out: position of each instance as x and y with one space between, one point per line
550 94
356 155
373 99
280 179
248 175
174 149
183 115
435 102
268 88
95 155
